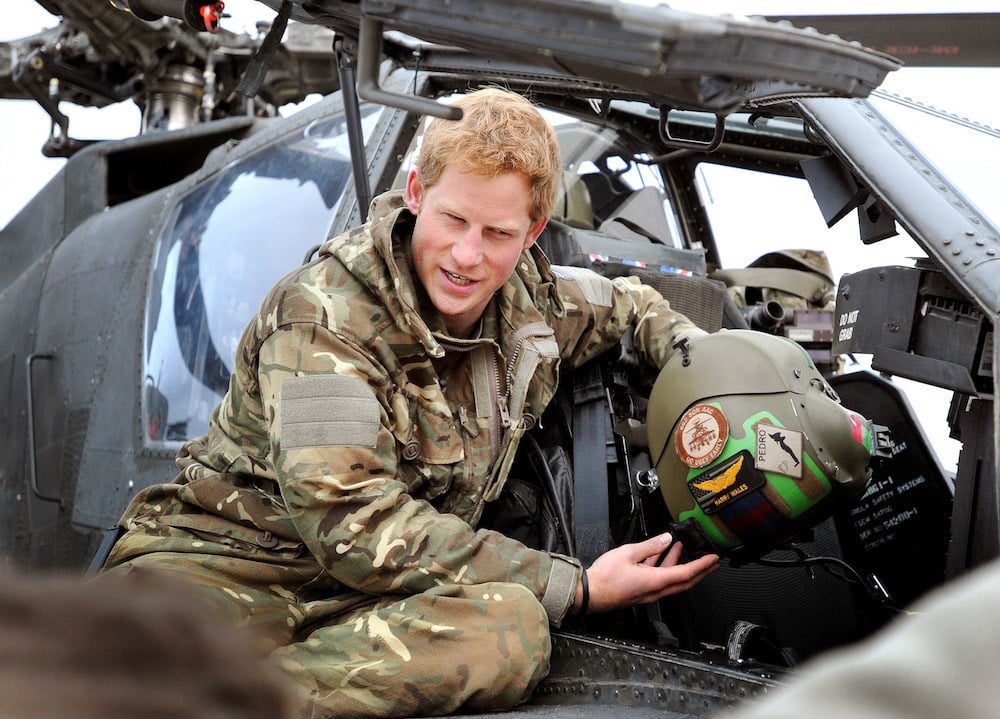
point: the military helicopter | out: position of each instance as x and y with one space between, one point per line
126 282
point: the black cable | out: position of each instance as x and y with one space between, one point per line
850 574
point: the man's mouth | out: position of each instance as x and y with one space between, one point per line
458 279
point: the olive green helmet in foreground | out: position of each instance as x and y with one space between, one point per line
750 443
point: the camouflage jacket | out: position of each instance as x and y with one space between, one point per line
355 426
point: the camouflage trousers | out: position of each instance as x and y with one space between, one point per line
455 647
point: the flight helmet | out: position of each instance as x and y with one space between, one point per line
751 444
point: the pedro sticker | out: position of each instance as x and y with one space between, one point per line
725 483
778 449
701 434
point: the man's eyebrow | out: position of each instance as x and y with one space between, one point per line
510 227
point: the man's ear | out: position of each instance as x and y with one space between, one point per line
534 232
414 190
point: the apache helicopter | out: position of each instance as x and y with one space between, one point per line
126 283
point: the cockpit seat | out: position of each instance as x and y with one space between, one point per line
573 206
641 218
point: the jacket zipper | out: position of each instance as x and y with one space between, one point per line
503 395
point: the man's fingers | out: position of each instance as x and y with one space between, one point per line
668 557
642 572
654 548
690 573
672 578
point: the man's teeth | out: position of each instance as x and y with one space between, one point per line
457 279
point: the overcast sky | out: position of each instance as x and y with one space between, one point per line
24 127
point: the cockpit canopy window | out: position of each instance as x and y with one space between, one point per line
229 242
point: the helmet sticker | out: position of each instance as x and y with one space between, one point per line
778 449
701 434
725 483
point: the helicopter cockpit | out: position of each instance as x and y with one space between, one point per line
202 291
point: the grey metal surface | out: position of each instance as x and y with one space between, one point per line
596 677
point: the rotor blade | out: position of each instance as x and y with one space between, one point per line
921 40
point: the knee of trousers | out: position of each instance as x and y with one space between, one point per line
474 648
513 646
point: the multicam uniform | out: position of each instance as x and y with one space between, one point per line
334 499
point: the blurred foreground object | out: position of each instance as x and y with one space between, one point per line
127 646
936 663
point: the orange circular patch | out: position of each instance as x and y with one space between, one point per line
701 434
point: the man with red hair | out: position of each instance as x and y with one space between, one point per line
375 408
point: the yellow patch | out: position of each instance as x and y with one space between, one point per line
725 479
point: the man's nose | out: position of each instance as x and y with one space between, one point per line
468 249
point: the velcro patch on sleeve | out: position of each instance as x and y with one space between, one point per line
328 410
597 290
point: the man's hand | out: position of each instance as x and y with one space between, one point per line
634 574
